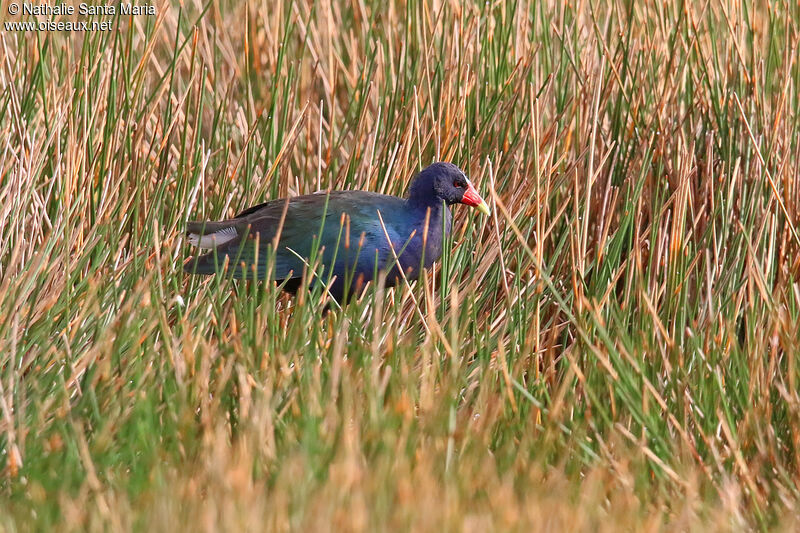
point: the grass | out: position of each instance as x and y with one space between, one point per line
613 349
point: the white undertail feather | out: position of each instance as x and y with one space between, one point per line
212 240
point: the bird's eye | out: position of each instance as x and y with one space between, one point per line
457 184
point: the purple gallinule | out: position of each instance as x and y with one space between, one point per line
345 227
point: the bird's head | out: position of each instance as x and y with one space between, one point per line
445 182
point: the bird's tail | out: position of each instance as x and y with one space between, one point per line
209 235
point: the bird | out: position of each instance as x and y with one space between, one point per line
355 234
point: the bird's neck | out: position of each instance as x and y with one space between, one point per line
433 223
437 209
430 224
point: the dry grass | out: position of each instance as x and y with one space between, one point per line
614 349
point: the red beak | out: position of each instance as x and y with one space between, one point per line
471 197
